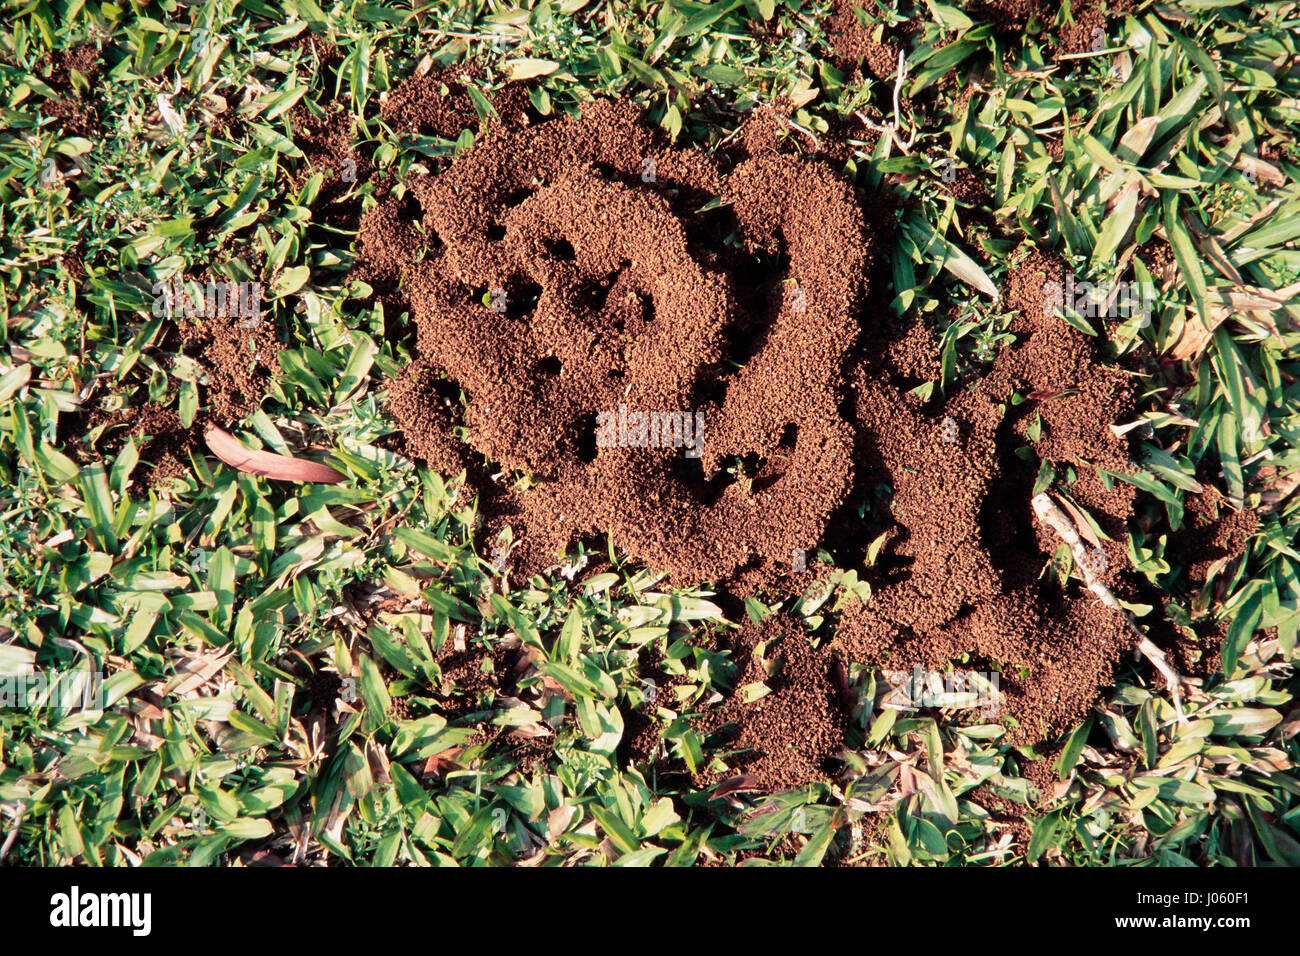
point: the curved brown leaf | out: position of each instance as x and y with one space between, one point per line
741 783
226 447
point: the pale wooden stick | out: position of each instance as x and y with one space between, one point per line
13 834
893 128
1046 510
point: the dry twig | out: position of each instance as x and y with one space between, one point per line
893 128
1047 511
13 834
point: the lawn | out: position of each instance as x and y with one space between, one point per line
956 529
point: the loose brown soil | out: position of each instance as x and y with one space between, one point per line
327 142
71 109
960 572
239 363
643 727
793 733
1073 35
100 434
1212 533
620 290
876 48
478 668
236 365
618 293
856 46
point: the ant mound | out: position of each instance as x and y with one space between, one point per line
614 344
678 351
788 714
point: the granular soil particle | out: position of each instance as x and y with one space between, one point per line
238 361
1006 816
966 187
524 756
438 102
323 689
162 442
960 572
225 122
792 734
328 148
322 51
1077 33
480 667
485 668
1158 255
395 229
84 58
1213 531
642 726
616 288
875 48
74 113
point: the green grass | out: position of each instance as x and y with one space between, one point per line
247 584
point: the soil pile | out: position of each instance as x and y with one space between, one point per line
1212 534
75 112
659 383
786 717
567 274
961 571
100 434
874 47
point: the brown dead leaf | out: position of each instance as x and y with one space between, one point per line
377 758
1245 225
1081 523
1277 489
907 777
228 448
1257 303
553 688
442 763
559 819
1193 338
264 858
531 861
1260 170
194 672
840 676
531 731
745 783
145 709
1270 759
1214 252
